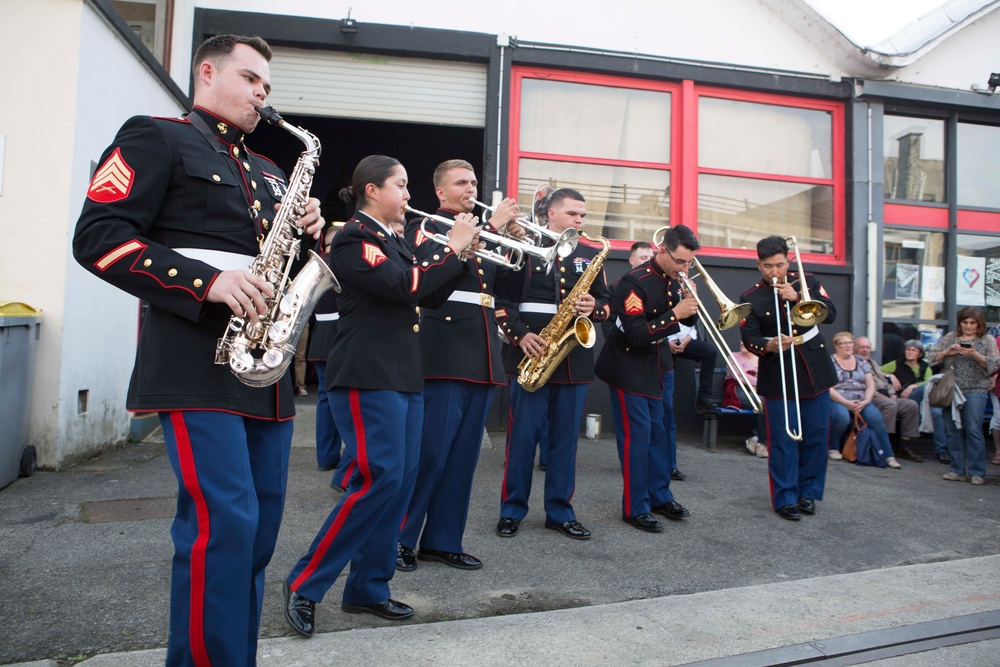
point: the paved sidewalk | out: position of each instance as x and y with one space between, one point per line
84 578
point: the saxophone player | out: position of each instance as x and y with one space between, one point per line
557 405
638 368
172 216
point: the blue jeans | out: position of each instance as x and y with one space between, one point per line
841 419
937 416
967 447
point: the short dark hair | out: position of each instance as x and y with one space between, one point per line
681 235
447 166
975 314
220 46
770 246
559 195
372 169
639 245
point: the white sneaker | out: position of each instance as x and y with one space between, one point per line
761 450
835 455
752 444
302 391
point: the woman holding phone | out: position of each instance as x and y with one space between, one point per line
973 357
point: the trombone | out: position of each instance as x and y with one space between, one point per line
806 313
565 244
730 315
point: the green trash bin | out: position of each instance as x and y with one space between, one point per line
19 328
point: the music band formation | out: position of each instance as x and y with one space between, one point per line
213 239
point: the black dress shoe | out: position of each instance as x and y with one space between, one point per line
300 612
328 468
807 505
571 529
336 487
462 561
672 510
677 475
706 405
507 527
391 610
790 512
943 458
405 560
908 454
644 522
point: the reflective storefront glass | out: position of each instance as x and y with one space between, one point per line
913 151
978 165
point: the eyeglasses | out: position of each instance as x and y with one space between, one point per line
844 342
682 263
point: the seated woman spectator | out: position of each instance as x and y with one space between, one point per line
994 332
909 376
734 397
973 357
853 393
893 407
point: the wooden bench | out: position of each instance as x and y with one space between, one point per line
710 429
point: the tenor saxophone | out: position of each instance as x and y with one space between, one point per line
560 338
259 353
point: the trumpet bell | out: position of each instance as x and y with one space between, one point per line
732 315
567 242
809 313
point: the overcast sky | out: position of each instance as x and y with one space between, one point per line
868 22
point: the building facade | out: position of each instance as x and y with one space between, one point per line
738 118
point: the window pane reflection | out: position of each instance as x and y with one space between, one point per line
978 165
563 118
978 275
622 203
764 138
914 275
914 158
738 212
147 19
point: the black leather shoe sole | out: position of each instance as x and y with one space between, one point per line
673 511
302 621
571 529
390 610
644 522
460 561
677 475
507 527
789 512
336 487
406 561
807 505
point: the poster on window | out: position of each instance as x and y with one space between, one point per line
993 281
908 282
933 284
971 279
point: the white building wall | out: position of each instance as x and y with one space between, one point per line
100 321
961 60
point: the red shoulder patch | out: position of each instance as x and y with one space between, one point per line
112 181
372 253
633 303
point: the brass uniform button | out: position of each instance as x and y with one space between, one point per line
216 178
416 328
253 184
256 204
172 272
562 269
197 282
148 262
447 318
437 257
264 223
417 310
236 151
246 165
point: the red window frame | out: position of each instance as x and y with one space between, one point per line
683 166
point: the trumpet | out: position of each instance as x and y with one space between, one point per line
532 230
730 314
565 244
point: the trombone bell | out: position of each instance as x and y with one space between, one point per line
809 313
732 314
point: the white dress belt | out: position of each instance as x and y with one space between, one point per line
475 298
224 261
809 335
327 317
534 307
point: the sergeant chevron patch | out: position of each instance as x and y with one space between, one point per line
112 181
373 254
633 304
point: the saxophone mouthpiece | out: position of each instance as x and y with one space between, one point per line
270 115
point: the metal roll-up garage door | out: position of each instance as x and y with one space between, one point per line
378 87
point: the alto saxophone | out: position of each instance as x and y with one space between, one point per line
259 353
560 338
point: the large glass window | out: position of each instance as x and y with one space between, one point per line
978 274
914 275
913 152
978 165
148 20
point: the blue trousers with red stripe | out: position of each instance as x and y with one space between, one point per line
384 429
560 406
348 465
454 419
797 469
327 438
232 473
668 426
641 451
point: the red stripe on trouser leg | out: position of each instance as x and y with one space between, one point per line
185 457
626 446
506 457
351 501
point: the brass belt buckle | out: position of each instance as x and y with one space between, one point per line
485 300
798 340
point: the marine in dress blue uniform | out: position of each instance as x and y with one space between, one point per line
797 469
375 380
462 366
648 307
172 215
559 404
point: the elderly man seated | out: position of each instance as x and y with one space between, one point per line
892 407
